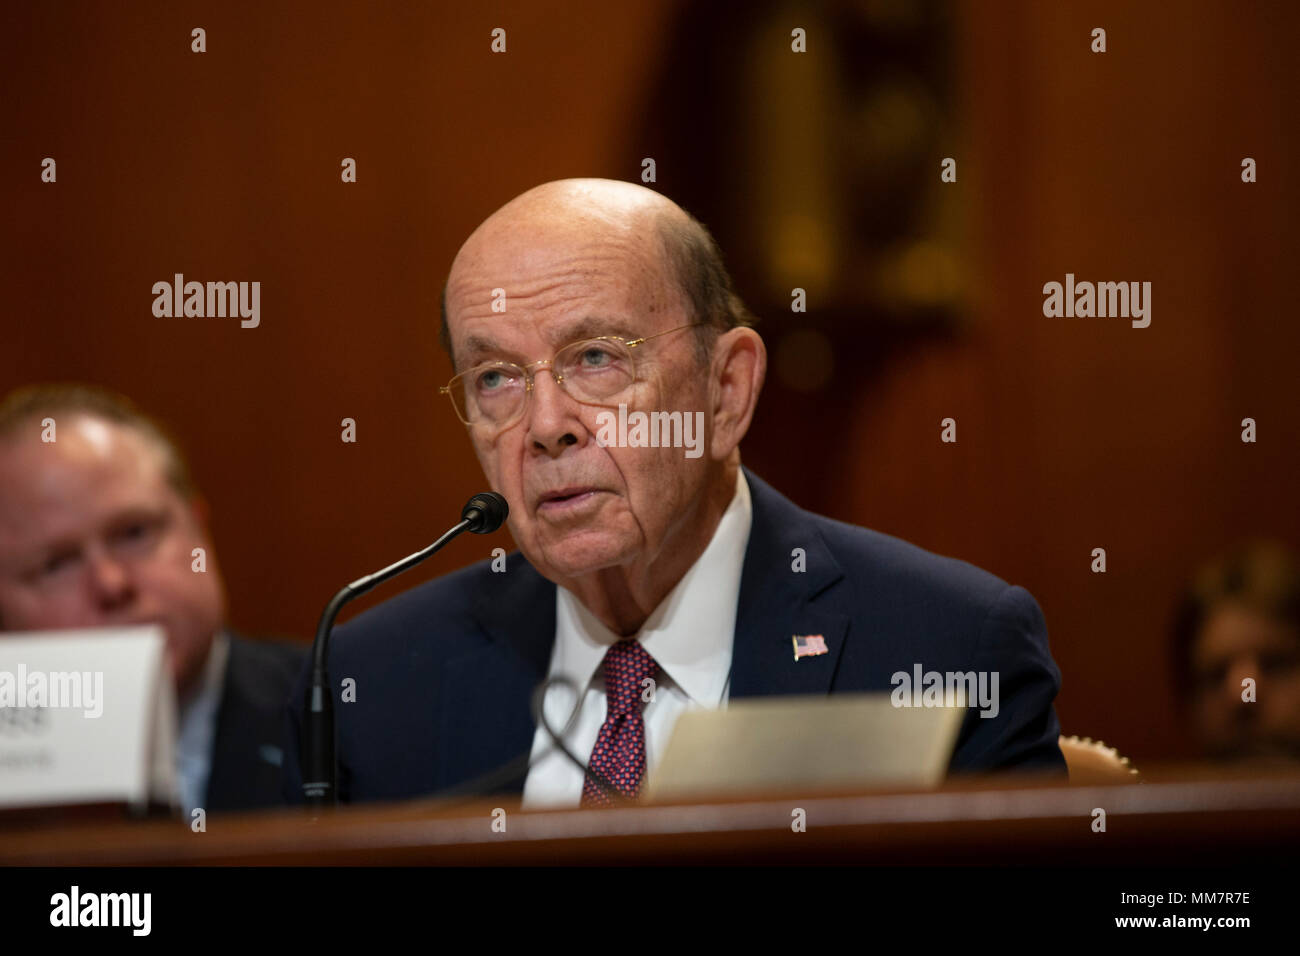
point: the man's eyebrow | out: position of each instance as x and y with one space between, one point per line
588 327
43 551
135 513
593 326
475 346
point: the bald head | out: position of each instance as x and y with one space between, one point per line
595 202
678 258
561 284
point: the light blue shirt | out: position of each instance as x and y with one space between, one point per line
197 728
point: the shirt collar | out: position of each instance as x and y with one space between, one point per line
690 633
198 712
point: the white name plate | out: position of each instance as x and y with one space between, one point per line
859 741
86 716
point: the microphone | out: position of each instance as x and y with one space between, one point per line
483 514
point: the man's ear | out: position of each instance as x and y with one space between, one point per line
738 369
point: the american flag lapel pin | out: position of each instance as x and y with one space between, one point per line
808 645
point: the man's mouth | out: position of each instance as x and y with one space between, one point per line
561 500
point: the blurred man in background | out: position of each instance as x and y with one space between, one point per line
1237 656
99 522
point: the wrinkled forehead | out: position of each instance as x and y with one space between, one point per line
551 285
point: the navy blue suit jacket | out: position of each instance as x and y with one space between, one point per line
247 746
444 672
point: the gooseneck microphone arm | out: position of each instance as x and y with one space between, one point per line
482 515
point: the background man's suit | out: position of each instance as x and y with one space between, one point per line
445 672
248 746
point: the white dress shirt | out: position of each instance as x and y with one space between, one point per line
689 635
197 724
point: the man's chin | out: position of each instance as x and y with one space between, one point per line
584 552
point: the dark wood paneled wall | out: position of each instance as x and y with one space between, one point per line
1072 433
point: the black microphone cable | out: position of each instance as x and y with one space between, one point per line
539 716
507 772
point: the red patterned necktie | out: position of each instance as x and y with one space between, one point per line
619 754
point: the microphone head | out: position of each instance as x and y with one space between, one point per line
485 512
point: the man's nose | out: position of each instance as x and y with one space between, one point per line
110 580
553 423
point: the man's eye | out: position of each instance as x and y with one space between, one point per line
492 380
1278 662
1212 676
596 357
58 562
136 534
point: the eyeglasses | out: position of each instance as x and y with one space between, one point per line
592 371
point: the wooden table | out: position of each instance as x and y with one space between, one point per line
1177 816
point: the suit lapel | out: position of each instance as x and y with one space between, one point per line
778 602
486 691
246 733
